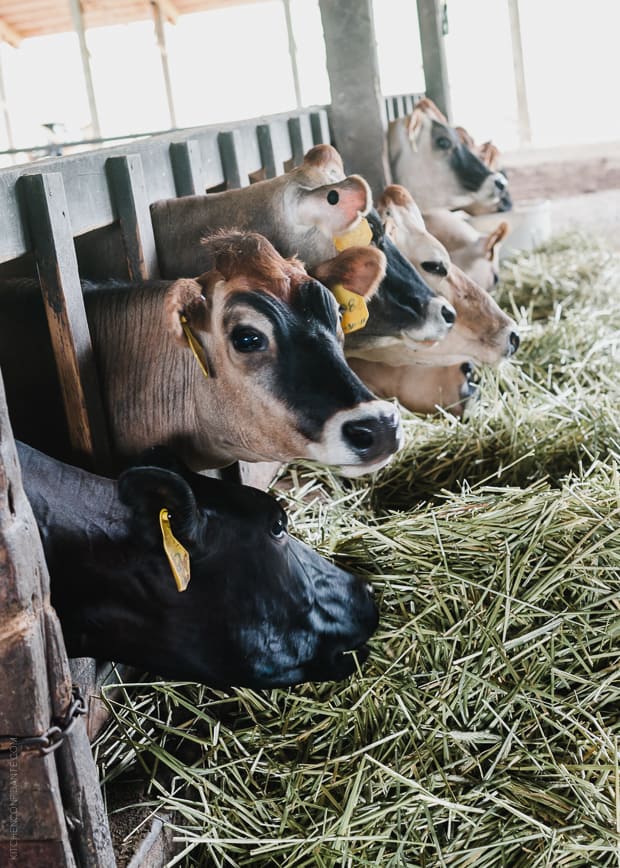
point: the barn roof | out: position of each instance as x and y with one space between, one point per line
21 19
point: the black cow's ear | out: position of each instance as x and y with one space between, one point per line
149 490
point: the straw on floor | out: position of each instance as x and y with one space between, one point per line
484 729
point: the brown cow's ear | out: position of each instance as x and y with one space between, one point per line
413 123
494 238
335 208
185 298
358 269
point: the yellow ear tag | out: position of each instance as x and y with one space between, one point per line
361 236
194 346
178 557
353 307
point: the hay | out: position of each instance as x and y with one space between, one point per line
484 729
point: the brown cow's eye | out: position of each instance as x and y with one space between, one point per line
248 340
443 142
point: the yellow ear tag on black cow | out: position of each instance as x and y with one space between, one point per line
353 308
194 346
361 236
178 557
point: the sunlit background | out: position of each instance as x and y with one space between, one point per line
234 63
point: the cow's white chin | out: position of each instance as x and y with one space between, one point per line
352 471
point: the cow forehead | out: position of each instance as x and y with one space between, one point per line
310 304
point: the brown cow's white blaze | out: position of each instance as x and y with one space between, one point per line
429 158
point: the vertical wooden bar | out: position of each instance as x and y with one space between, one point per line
78 24
437 85
128 189
525 130
160 35
230 153
320 128
297 144
54 250
267 154
186 167
292 50
35 687
357 107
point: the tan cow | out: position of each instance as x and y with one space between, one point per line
476 253
244 362
308 212
428 157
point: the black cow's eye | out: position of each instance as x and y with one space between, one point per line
443 142
278 529
248 340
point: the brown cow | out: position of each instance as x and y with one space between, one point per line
483 333
269 381
476 253
428 157
306 212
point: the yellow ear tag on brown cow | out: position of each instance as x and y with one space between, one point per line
361 236
178 557
353 308
194 346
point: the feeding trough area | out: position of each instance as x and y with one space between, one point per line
309 496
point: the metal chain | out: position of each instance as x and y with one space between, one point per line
50 740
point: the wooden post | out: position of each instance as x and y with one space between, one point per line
357 110
35 690
434 54
160 34
525 131
78 23
292 50
52 240
128 188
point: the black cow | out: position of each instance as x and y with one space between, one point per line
261 609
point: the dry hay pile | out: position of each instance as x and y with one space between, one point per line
484 729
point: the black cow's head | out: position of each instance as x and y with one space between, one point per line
261 609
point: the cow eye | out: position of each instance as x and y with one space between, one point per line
443 142
278 529
248 340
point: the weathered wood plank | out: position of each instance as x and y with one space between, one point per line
186 167
130 197
52 240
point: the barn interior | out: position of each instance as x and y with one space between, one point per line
483 727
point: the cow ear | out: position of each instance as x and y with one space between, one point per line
358 269
413 123
149 490
186 298
495 237
334 208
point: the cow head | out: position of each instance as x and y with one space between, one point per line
429 158
260 609
275 384
482 332
476 253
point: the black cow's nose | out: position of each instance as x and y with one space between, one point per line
448 314
500 183
373 437
515 340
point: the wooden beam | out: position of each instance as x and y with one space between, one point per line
292 50
78 23
9 34
525 130
434 54
160 34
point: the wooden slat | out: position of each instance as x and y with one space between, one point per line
230 150
297 143
62 295
129 193
186 167
320 128
268 158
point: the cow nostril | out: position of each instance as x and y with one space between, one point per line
359 434
515 340
467 368
448 314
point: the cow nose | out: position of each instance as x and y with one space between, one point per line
373 437
500 183
515 340
448 313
